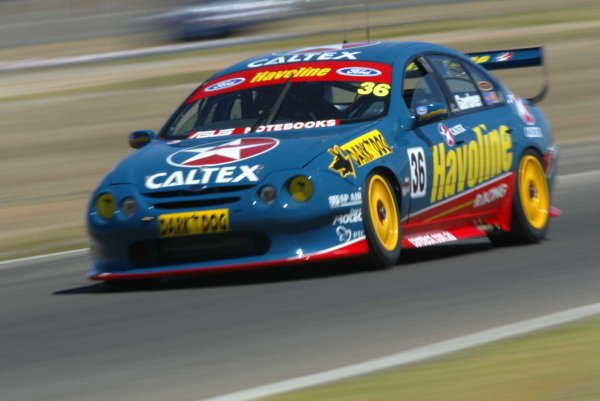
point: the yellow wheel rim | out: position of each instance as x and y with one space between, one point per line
533 190
382 210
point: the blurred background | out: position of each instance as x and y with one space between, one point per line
76 76
28 22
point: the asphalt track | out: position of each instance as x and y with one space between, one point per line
64 338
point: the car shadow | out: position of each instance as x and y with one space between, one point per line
446 251
272 275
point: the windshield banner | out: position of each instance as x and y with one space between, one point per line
363 71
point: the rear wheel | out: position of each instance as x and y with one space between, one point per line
381 220
531 203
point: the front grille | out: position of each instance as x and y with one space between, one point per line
197 203
197 248
201 191
190 198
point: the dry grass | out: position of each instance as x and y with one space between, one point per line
560 365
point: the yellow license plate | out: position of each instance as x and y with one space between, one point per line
192 223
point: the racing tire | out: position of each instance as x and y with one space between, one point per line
381 220
530 204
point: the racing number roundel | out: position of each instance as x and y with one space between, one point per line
418 172
223 152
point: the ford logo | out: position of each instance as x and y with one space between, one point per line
358 72
224 84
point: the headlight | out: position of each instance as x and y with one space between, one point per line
128 206
267 194
106 205
301 188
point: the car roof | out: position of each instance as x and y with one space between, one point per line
382 52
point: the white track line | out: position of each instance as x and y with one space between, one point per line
49 256
578 176
414 355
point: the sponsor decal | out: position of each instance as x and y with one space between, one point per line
368 88
491 195
358 72
367 148
421 110
224 152
265 76
433 114
457 129
217 132
468 101
418 172
193 223
362 150
428 239
465 166
481 59
406 185
228 83
315 71
449 133
344 200
345 234
341 162
206 175
353 216
302 57
485 86
504 56
490 98
523 110
266 128
445 132
533 132
297 125
462 202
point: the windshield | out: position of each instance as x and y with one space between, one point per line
284 97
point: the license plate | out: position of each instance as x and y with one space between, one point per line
192 223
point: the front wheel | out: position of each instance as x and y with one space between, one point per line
381 220
531 203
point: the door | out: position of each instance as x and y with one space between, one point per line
462 157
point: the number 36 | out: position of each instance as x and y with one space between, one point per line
367 88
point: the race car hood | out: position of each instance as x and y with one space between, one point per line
226 160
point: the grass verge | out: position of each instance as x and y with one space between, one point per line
557 365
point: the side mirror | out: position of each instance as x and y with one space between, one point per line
139 139
432 112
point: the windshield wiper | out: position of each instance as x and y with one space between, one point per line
268 119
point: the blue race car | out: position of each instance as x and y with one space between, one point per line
338 151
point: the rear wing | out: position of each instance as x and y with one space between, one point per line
515 58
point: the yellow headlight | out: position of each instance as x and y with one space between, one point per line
301 188
106 205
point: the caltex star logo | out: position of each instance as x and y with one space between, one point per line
504 56
223 152
445 132
524 111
